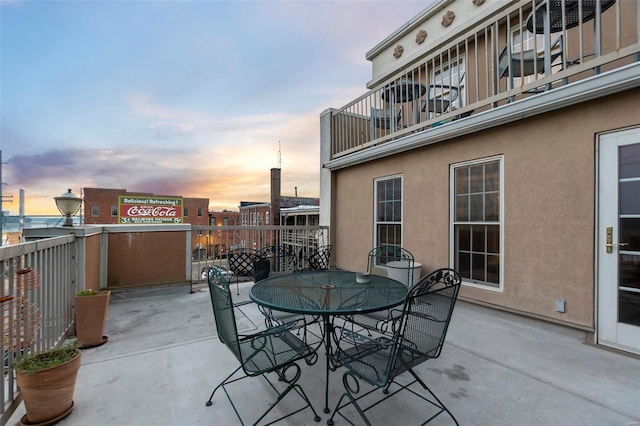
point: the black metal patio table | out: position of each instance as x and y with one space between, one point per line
327 294
549 17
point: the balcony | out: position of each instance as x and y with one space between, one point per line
509 64
163 357
40 277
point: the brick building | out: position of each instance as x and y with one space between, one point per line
217 242
101 207
268 213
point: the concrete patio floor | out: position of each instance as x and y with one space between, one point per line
163 359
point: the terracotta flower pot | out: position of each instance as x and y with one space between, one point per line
91 315
48 393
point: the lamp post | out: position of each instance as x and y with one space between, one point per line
68 204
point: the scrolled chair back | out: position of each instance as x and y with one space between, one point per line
392 261
281 259
426 315
320 259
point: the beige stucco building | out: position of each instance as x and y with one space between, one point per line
504 143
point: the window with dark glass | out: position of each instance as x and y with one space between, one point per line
185 211
114 211
95 210
388 211
476 222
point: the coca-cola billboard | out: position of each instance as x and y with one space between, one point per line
144 210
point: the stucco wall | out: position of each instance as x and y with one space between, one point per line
549 211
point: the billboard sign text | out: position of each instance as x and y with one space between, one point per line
145 210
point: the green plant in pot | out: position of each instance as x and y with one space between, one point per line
47 381
91 315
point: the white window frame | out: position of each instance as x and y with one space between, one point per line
530 41
500 222
526 42
444 76
375 208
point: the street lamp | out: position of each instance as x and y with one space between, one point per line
68 204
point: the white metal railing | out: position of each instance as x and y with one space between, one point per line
512 54
219 240
38 287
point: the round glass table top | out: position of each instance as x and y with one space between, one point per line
327 293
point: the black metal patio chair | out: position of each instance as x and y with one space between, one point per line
272 350
394 262
418 337
241 264
319 259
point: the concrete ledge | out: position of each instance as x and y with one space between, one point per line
146 291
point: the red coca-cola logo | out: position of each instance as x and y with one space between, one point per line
152 211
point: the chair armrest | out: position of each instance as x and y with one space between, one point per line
273 331
354 338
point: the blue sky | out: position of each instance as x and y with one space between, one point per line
184 98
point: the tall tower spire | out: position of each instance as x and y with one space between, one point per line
279 156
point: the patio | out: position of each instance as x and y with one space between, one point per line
163 359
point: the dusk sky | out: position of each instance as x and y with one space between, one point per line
182 98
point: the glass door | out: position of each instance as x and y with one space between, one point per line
619 240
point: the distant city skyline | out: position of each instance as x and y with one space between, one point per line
177 98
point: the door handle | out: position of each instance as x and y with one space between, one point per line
609 244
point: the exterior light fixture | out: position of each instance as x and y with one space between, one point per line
68 204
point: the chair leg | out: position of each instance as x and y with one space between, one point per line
439 403
350 391
222 383
292 385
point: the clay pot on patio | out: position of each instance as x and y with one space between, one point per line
91 315
48 392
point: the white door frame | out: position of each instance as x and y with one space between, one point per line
609 331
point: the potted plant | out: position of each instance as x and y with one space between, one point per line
91 315
47 381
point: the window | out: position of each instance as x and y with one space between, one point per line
114 211
448 83
185 211
266 216
225 221
476 231
199 211
95 210
388 211
521 42
214 221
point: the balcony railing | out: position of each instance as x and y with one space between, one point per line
510 55
38 286
217 241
